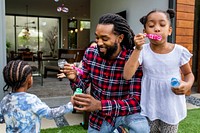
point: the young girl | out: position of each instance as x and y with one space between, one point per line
20 110
163 105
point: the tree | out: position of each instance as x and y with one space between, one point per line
51 38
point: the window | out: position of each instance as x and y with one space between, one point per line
34 33
84 24
72 33
72 23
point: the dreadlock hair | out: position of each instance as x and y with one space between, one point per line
15 73
120 27
170 13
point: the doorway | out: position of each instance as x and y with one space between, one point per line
196 49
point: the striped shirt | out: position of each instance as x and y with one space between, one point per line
119 97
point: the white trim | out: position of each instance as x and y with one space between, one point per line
2 45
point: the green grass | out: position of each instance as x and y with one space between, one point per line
66 129
191 124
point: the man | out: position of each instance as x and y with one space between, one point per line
113 101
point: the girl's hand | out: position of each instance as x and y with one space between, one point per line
182 89
139 40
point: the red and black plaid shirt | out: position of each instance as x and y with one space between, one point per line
119 97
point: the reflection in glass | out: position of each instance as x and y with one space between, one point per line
72 33
22 32
26 33
72 39
84 24
10 34
50 28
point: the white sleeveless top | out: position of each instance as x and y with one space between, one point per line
157 99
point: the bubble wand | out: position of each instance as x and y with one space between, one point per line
154 37
80 71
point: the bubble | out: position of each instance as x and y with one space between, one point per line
59 9
65 9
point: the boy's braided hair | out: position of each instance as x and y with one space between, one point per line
15 74
120 27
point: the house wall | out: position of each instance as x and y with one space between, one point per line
135 9
185 23
2 45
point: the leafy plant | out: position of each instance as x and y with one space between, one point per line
8 44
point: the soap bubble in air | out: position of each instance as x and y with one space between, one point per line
59 9
65 9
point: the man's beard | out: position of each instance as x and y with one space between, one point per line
109 52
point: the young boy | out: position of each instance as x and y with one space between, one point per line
21 111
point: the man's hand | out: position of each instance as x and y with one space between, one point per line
86 103
61 75
69 72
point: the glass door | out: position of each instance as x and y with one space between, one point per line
33 34
72 33
27 33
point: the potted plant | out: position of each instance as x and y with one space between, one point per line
8 46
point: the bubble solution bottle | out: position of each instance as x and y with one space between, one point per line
78 91
175 82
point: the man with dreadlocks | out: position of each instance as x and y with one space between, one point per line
20 110
113 101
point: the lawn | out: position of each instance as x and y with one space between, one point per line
189 125
192 122
66 129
